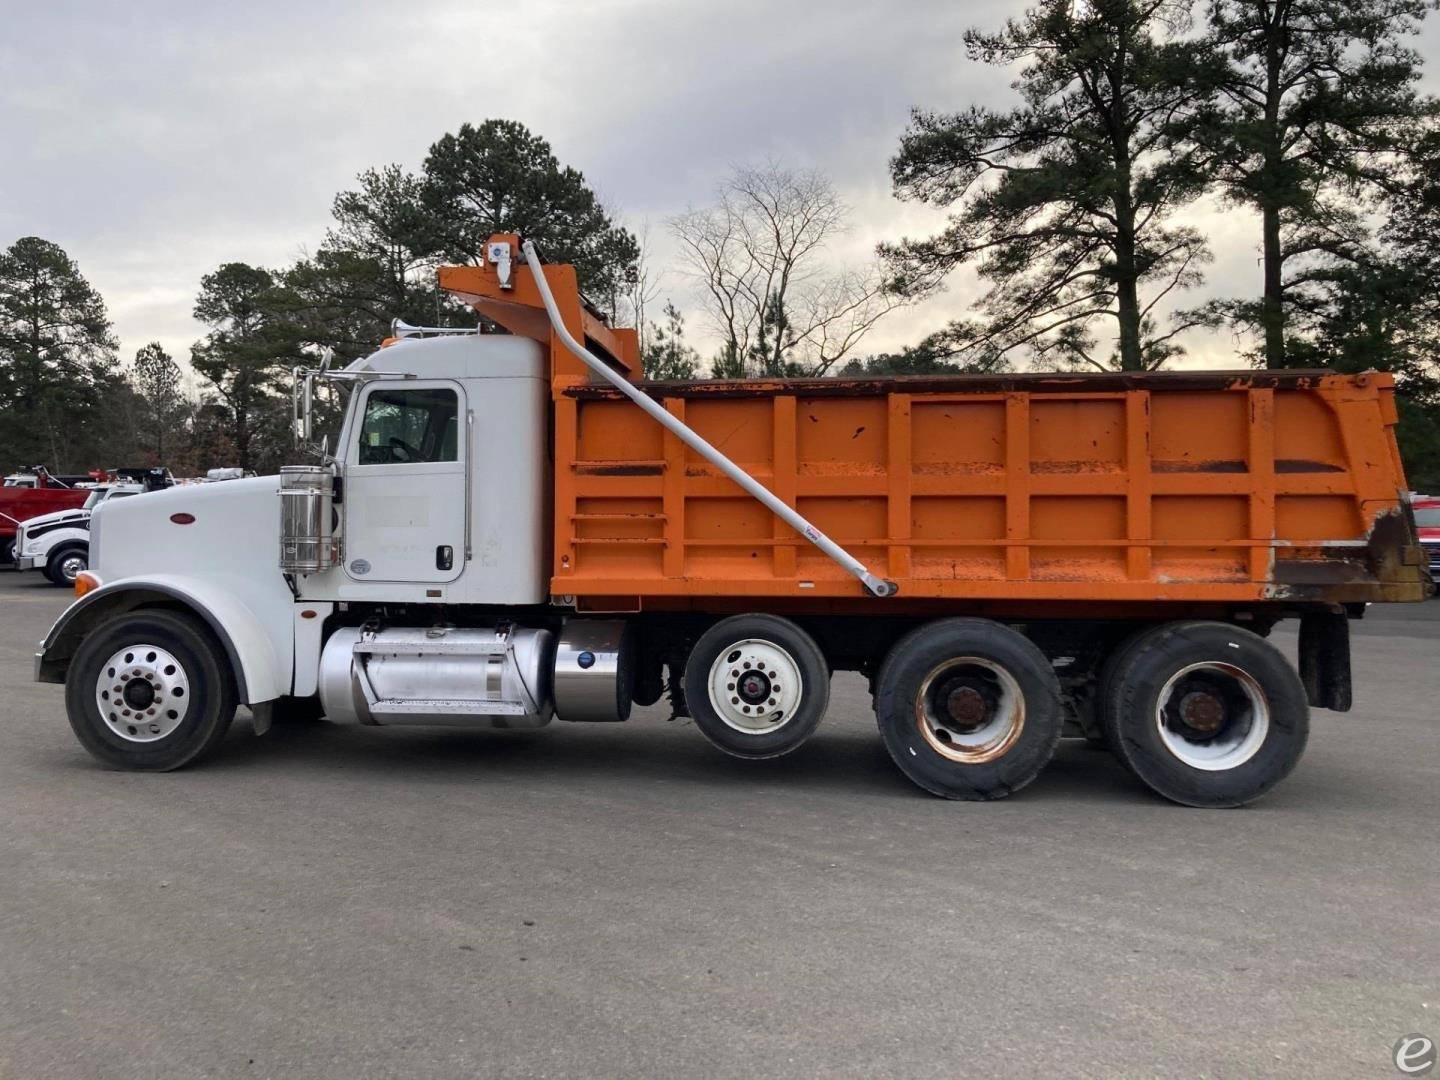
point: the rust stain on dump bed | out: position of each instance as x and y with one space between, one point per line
618 468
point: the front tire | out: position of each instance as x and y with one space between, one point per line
968 708
1206 714
150 691
757 685
66 564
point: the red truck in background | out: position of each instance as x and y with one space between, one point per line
1427 524
33 492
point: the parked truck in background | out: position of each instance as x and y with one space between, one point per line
1426 509
58 543
35 491
515 528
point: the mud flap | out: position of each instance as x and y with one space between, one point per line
1325 659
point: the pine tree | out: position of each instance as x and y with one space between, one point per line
56 354
253 339
377 264
1314 98
1064 203
156 379
666 356
498 177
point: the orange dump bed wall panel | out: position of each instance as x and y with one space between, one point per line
1205 487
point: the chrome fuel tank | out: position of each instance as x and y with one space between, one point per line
448 676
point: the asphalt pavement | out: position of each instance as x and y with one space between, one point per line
626 901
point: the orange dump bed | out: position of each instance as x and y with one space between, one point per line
1203 488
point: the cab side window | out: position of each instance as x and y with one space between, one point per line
409 426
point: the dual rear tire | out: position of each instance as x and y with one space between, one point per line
968 708
1203 713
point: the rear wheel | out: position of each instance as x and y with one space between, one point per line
757 685
1206 714
968 708
1092 723
66 564
150 690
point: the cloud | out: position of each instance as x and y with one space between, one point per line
156 140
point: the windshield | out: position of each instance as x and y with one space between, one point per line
94 498
1428 518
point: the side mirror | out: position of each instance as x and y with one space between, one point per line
302 392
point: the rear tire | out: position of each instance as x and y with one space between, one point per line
968 708
1206 714
165 686
757 685
66 564
1093 725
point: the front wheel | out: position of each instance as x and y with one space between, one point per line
150 691
65 565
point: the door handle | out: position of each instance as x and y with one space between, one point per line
444 557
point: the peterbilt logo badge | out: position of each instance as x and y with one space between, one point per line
360 566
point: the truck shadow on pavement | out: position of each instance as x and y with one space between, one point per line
838 761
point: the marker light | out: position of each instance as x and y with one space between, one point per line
85 582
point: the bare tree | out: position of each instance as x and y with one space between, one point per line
761 261
638 290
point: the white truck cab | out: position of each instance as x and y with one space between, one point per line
58 543
415 557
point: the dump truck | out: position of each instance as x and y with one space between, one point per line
515 527
37 491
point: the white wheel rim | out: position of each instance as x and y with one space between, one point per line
143 693
1212 716
755 686
70 567
970 709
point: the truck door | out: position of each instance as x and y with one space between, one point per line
405 483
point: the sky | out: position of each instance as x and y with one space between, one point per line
154 141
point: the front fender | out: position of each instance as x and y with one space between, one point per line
261 657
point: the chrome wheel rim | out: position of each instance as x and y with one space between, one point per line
755 686
143 693
71 565
1212 716
970 710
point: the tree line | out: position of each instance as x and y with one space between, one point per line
1076 209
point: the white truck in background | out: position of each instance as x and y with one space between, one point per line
58 543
